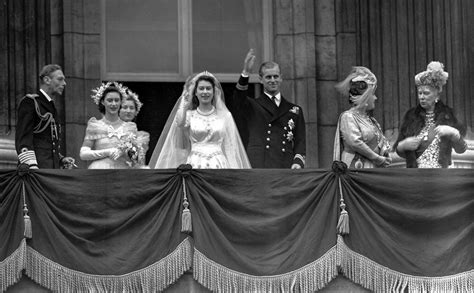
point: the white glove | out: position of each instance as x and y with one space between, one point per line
445 130
382 161
87 154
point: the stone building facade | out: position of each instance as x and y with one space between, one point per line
316 43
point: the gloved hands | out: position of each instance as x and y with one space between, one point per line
87 154
382 161
409 144
447 131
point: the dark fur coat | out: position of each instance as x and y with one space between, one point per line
413 123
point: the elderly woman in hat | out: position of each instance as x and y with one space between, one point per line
430 130
109 141
359 140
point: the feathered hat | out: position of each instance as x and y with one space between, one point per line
434 76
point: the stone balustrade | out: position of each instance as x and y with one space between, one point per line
8 157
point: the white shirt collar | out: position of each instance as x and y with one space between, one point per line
277 98
46 95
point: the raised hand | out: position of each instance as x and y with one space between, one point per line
249 62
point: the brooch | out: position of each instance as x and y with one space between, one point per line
295 110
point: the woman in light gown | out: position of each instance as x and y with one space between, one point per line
129 110
104 137
200 130
359 141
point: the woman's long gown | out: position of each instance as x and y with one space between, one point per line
207 134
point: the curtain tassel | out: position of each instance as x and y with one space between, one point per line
26 218
343 222
186 221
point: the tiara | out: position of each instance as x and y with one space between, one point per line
205 73
134 96
99 91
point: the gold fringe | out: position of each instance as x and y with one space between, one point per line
153 278
378 278
11 268
311 277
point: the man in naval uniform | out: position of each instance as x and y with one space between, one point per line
272 128
37 137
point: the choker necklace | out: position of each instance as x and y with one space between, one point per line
206 113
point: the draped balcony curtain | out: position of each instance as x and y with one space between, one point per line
249 230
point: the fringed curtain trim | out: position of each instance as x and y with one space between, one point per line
378 278
313 276
153 278
11 267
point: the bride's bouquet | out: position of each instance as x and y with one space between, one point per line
128 145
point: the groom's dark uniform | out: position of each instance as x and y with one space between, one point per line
37 138
274 136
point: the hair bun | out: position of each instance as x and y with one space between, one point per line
357 88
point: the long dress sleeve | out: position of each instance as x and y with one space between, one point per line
353 138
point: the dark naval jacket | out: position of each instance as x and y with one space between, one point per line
38 132
274 137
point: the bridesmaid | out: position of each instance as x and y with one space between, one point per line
104 139
129 110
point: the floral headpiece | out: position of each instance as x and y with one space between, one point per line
134 96
434 76
99 91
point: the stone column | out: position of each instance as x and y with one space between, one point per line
326 77
295 52
336 53
82 19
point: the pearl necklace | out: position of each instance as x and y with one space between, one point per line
429 122
206 113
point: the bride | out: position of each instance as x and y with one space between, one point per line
200 130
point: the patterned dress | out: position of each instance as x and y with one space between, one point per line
207 134
430 157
